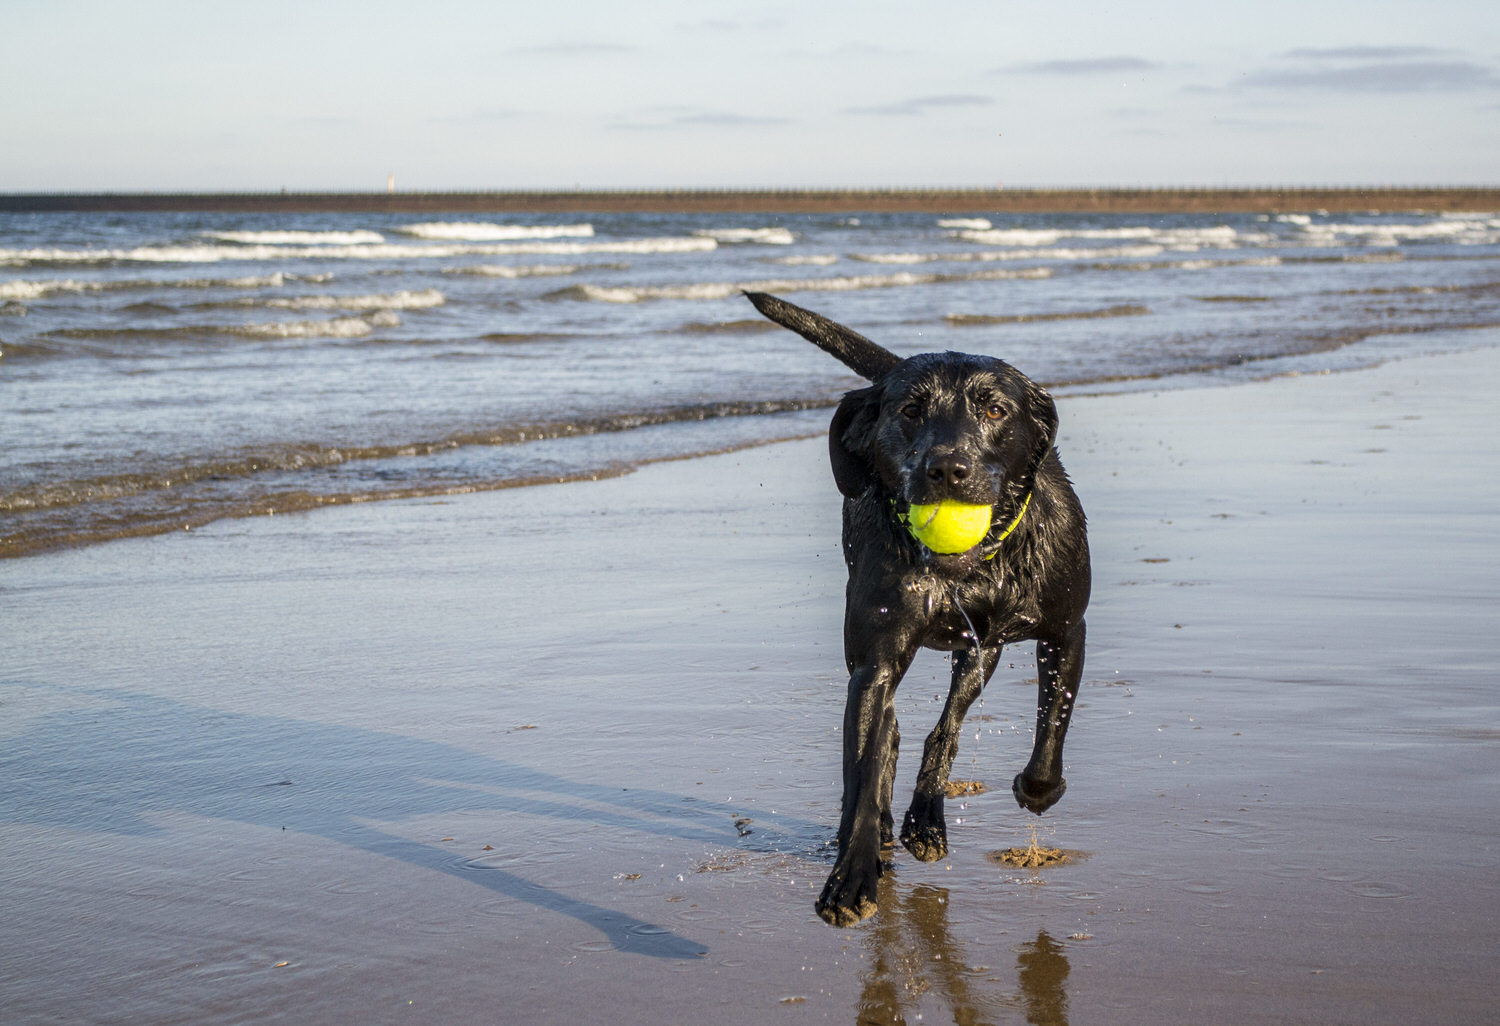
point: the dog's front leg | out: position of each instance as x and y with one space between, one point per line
1059 666
869 764
925 832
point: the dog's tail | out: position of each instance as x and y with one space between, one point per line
865 358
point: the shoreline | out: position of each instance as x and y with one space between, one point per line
1385 199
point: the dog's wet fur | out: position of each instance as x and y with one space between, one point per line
934 427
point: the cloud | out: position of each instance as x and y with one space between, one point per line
656 119
1085 66
1379 77
1365 53
921 105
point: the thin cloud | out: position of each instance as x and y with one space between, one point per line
1085 66
922 104
1380 77
658 119
1365 53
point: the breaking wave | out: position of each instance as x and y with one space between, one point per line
484 231
724 289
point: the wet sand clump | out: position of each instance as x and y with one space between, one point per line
1034 855
959 788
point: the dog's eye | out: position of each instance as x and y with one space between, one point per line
911 411
994 411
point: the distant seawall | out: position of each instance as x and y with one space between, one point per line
788 201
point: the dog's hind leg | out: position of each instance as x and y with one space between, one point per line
924 831
1059 665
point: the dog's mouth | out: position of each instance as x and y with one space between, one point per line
917 491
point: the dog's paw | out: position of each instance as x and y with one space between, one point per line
1037 796
924 832
848 897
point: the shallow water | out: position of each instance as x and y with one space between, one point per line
161 371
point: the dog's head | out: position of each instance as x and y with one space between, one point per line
971 429
952 426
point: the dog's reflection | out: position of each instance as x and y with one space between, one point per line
913 960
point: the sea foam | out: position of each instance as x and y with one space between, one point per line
382 251
763 236
484 231
296 238
725 289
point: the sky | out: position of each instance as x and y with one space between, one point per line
220 95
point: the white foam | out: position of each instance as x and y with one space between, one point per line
993 255
296 238
515 270
485 231
404 300
762 236
976 224
384 251
17 289
338 327
725 289
1218 237
1467 231
805 260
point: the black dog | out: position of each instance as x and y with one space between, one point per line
970 429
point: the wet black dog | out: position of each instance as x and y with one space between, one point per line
970 429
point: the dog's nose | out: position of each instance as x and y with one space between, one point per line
950 469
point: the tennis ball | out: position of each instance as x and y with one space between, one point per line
949 527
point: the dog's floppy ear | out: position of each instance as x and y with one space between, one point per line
1043 414
851 439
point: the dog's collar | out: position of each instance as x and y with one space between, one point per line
993 545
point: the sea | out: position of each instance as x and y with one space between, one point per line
161 371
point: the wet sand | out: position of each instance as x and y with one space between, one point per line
570 753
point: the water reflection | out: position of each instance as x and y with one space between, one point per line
914 963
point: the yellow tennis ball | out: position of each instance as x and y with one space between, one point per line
949 527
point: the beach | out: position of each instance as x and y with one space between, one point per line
570 753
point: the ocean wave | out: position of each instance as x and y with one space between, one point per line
338 327
1189 265
1122 310
1216 236
1470 231
383 251
298 238
973 224
403 300
804 260
725 289
20 289
1001 255
516 270
484 231
761 236
37 289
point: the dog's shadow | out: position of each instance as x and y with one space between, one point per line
118 758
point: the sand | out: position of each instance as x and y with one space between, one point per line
570 754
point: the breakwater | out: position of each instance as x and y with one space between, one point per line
1384 199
